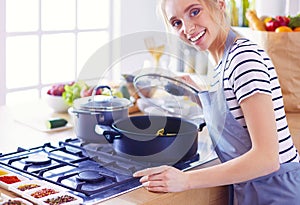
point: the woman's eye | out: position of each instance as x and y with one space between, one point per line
176 23
194 12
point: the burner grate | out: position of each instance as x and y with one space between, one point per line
89 170
44 162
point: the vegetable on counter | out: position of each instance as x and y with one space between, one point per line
81 89
56 122
254 22
73 91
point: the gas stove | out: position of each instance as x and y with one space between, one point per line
91 171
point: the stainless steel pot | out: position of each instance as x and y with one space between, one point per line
97 110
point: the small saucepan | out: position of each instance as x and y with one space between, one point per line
97 109
162 139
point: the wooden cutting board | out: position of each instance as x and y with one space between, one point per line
37 116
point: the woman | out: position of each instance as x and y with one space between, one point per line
254 145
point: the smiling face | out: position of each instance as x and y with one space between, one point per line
199 23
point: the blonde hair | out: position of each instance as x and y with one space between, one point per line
212 5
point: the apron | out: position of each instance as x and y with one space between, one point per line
231 140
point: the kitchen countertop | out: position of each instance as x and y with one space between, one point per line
16 131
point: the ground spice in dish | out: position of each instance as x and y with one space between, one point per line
2 172
9 179
60 200
27 187
13 202
43 192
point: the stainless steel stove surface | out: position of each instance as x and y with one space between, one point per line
92 171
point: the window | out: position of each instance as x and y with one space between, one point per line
48 41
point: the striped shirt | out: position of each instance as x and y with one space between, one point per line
249 70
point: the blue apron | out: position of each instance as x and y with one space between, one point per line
231 140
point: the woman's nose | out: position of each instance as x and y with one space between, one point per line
189 28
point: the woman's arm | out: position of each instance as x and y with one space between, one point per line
260 160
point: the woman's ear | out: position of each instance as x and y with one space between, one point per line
222 5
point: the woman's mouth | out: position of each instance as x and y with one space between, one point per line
197 37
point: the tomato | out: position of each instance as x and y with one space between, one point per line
297 29
283 20
283 29
272 24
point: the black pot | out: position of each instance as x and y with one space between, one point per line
137 137
97 110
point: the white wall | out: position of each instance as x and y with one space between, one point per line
139 15
293 7
277 7
132 22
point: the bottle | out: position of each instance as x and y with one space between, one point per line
233 12
244 7
237 11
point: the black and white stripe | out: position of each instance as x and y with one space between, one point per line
249 70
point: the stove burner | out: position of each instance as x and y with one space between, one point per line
38 159
90 176
91 171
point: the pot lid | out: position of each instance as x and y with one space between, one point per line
169 95
101 103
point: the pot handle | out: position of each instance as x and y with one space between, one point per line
99 87
108 132
201 126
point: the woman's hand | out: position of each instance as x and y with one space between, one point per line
163 179
188 80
